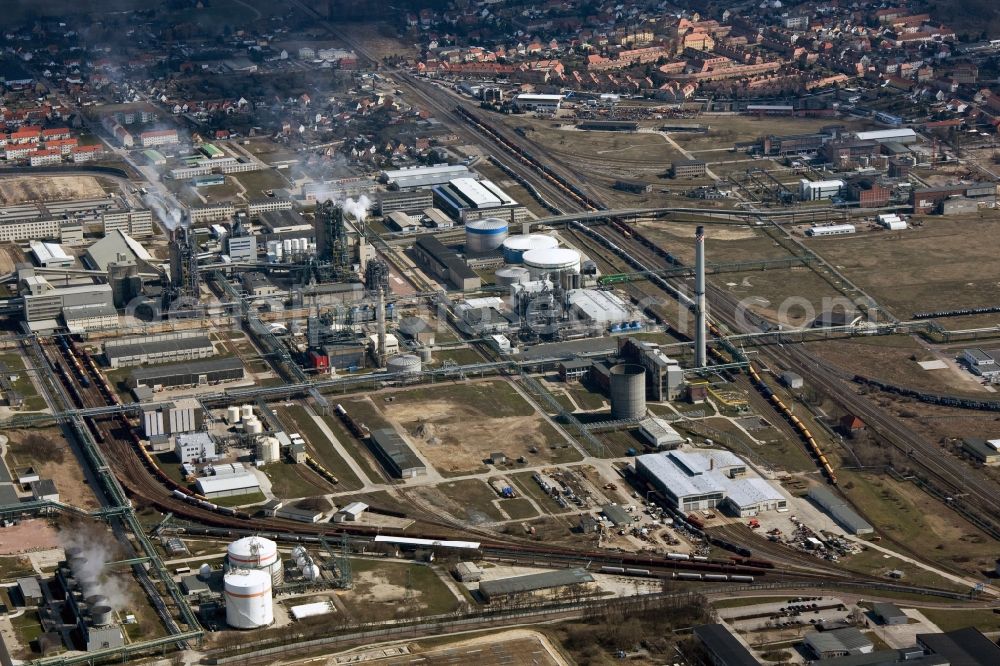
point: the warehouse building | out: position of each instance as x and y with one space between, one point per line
984 451
191 373
697 480
962 647
597 308
395 454
163 348
889 614
840 511
659 433
831 230
838 643
980 362
506 588
227 481
468 199
50 255
421 177
904 136
444 263
723 648
541 103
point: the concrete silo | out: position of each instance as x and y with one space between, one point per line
628 391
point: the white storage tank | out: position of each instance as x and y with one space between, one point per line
253 427
485 235
287 245
233 414
255 553
404 363
248 599
269 449
510 275
247 411
515 246
551 262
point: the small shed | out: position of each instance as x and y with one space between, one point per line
30 590
616 514
590 525
792 380
498 458
44 489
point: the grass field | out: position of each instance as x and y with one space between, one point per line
724 131
14 365
357 449
290 481
904 513
257 182
518 509
299 420
527 486
950 620
239 500
469 500
385 590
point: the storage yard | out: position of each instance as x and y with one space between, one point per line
27 189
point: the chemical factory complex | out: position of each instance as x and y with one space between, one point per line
661 335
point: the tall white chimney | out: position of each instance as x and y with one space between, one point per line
700 332
380 319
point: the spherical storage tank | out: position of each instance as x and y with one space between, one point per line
511 275
515 246
255 553
403 363
485 235
248 599
551 262
628 391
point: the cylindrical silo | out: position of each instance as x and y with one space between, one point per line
551 262
255 553
253 427
404 363
269 449
485 235
515 246
425 355
628 391
246 411
233 414
248 599
505 277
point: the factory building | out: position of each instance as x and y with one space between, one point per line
985 451
43 303
171 418
540 103
194 447
443 263
468 199
28 229
840 511
811 190
687 168
664 376
162 348
703 479
257 206
136 222
405 201
191 373
659 433
838 643
120 249
507 588
227 481
395 454
422 177
927 200
597 308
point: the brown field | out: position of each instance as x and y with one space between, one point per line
945 264
457 426
28 535
10 256
54 461
724 131
22 189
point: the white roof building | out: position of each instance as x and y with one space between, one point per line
902 135
659 433
603 308
50 254
228 481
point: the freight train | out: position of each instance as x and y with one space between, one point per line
796 423
677 575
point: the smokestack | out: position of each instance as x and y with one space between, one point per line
380 319
700 338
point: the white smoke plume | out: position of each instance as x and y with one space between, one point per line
358 209
94 546
171 218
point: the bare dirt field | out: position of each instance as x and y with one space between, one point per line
10 256
457 426
28 535
724 242
945 264
724 131
22 189
50 454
